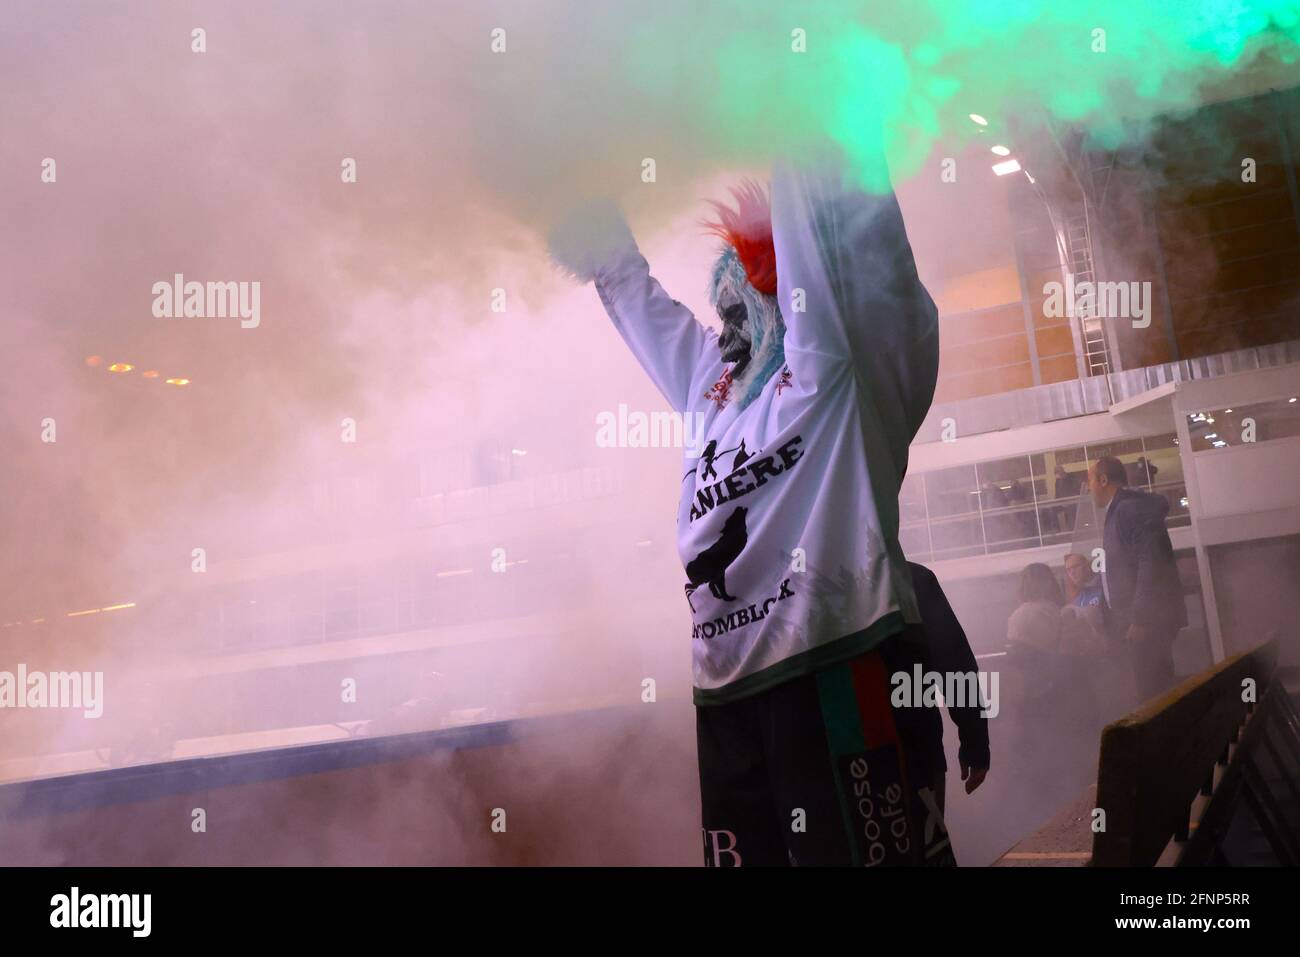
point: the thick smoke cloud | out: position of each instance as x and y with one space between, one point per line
377 295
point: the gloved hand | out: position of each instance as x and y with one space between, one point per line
591 236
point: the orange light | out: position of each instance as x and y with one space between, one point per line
150 374
178 381
121 367
96 611
94 360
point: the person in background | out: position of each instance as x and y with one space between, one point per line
1143 593
1141 473
1067 483
949 652
1083 592
1067 489
1035 626
1051 658
1082 585
1086 601
1035 679
1045 624
1026 522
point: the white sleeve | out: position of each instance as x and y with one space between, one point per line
594 244
663 334
846 253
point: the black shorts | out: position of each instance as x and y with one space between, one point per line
823 770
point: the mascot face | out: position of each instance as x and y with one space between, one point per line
736 339
743 288
753 335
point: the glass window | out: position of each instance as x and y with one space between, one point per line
492 463
1165 470
957 537
339 606
271 612
377 601
1064 480
911 500
1030 500
913 528
1006 499
1128 451
306 623
953 499
915 541
952 492
415 593
1243 424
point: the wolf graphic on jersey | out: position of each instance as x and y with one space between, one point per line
709 567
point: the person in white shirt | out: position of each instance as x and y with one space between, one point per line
798 590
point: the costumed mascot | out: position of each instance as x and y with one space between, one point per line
801 600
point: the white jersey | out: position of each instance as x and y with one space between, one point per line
788 520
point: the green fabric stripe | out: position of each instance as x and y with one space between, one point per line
839 702
839 705
804 663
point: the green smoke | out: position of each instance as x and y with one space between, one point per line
891 80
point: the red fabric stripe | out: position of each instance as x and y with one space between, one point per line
871 685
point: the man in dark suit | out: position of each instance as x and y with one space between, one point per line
1140 577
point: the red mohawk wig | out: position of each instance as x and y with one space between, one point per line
748 230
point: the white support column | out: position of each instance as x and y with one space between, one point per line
1212 626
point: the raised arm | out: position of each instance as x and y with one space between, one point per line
845 252
595 245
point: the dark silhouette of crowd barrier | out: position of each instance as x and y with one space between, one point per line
1206 774
1182 768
